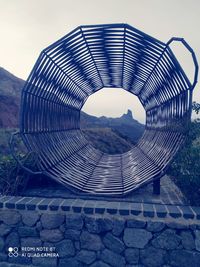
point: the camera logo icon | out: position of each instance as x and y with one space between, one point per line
13 252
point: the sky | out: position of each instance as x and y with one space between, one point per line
28 26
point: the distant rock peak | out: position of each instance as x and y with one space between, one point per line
129 114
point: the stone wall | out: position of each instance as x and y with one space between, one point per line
96 240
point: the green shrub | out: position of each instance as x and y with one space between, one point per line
185 169
13 178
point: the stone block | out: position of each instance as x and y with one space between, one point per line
118 227
138 265
153 257
187 212
5 229
136 238
174 211
20 260
148 210
167 240
55 204
132 255
26 231
77 245
136 208
77 205
45 262
161 210
105 224
113 258
90 241
48 244
187 240
99 264
65 248
1 244
124 208
70 262
74 221
72 234
132 223
100 207
155 226
177 225
12 240
31 205
10 217
66 205
31 242
30 218
197 212
39 226
62 228
184 258
193 226
197 239
3 257
86 256
4 264
98 225
89 207
53 235
113 243
52 220
112 207
44 204
21 204
92 225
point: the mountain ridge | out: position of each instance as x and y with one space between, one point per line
10 85
10 90
126 126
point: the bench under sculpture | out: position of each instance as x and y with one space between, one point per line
84 61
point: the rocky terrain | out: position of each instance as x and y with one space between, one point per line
10 90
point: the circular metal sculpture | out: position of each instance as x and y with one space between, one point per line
81 63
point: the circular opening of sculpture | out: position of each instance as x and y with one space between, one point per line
112 120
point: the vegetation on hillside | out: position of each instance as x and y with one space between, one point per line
126 126
13 178
185 168
106 140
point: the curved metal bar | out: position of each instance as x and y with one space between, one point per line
182 40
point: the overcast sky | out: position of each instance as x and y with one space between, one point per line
28 26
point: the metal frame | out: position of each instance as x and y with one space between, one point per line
84 61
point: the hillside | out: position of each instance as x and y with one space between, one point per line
106 140
10 85
10 90
126 126
103 131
